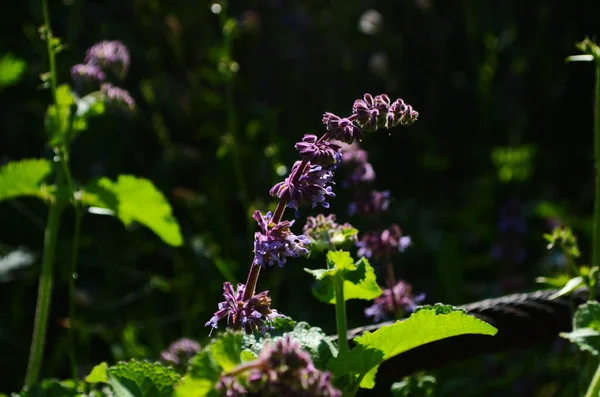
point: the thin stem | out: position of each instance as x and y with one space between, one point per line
50 48
596 232
594 388
340 315
44 296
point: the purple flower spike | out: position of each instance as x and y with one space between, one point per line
311 188
379 113
251 315
382 245
321 153
342 129
372 202
401 114
110 54
401 298
117 96
180 352
87 74
276 242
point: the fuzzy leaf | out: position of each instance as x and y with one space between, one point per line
24 178
227 350
359 283
202 376
569 287
52 388
99 374
586 328
142 379
423 326
135 199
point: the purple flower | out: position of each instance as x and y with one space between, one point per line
387 304
401 113
321 153
362 173
372 202
251 315
311 186
283 369
276 242
382 245
378 112
353 154
117 96
342 129
87 74
229 386
180 352
109 54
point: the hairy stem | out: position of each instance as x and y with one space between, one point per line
44 296
340 315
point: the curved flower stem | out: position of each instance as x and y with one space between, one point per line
44 295
594 388
340 315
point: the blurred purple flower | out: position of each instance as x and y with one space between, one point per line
82 73
312 186
321 153
382 245
387 303
110 54
180 352
252 315
369 203
276 242
117 96
342 129
353 154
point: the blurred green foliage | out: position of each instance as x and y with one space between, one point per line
218 112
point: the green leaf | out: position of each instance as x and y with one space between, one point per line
226 351
52 388
91 105
58 117
142 379
359 283
24 178
203 375
425 325
99 374
11 70
586 328
569 287
312 339
135 199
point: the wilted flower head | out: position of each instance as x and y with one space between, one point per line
180 352
117 96
109 54
342 129
276 242
325 233
312 186
82 73
282 369
400 298
322 153
369 203
250 315
382 245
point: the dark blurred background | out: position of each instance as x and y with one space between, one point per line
504 135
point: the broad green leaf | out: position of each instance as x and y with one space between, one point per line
425 325
312 339
202 376
24 178
135 199
226 351
11 70
586 328
142 379
569 287
99 374
360 283
52 388
248 355
341 261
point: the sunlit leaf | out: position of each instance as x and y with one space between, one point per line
24 178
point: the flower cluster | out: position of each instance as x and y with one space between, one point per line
276 242
323 153
254 314
370 203
382 245
379 112
106 55
394 301
180 352
325 233
282 369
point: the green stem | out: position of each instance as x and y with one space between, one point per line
340 315
596 235
594 388
50 49
44 296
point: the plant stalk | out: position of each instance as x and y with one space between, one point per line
44 296
594 388
596 233
340 315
